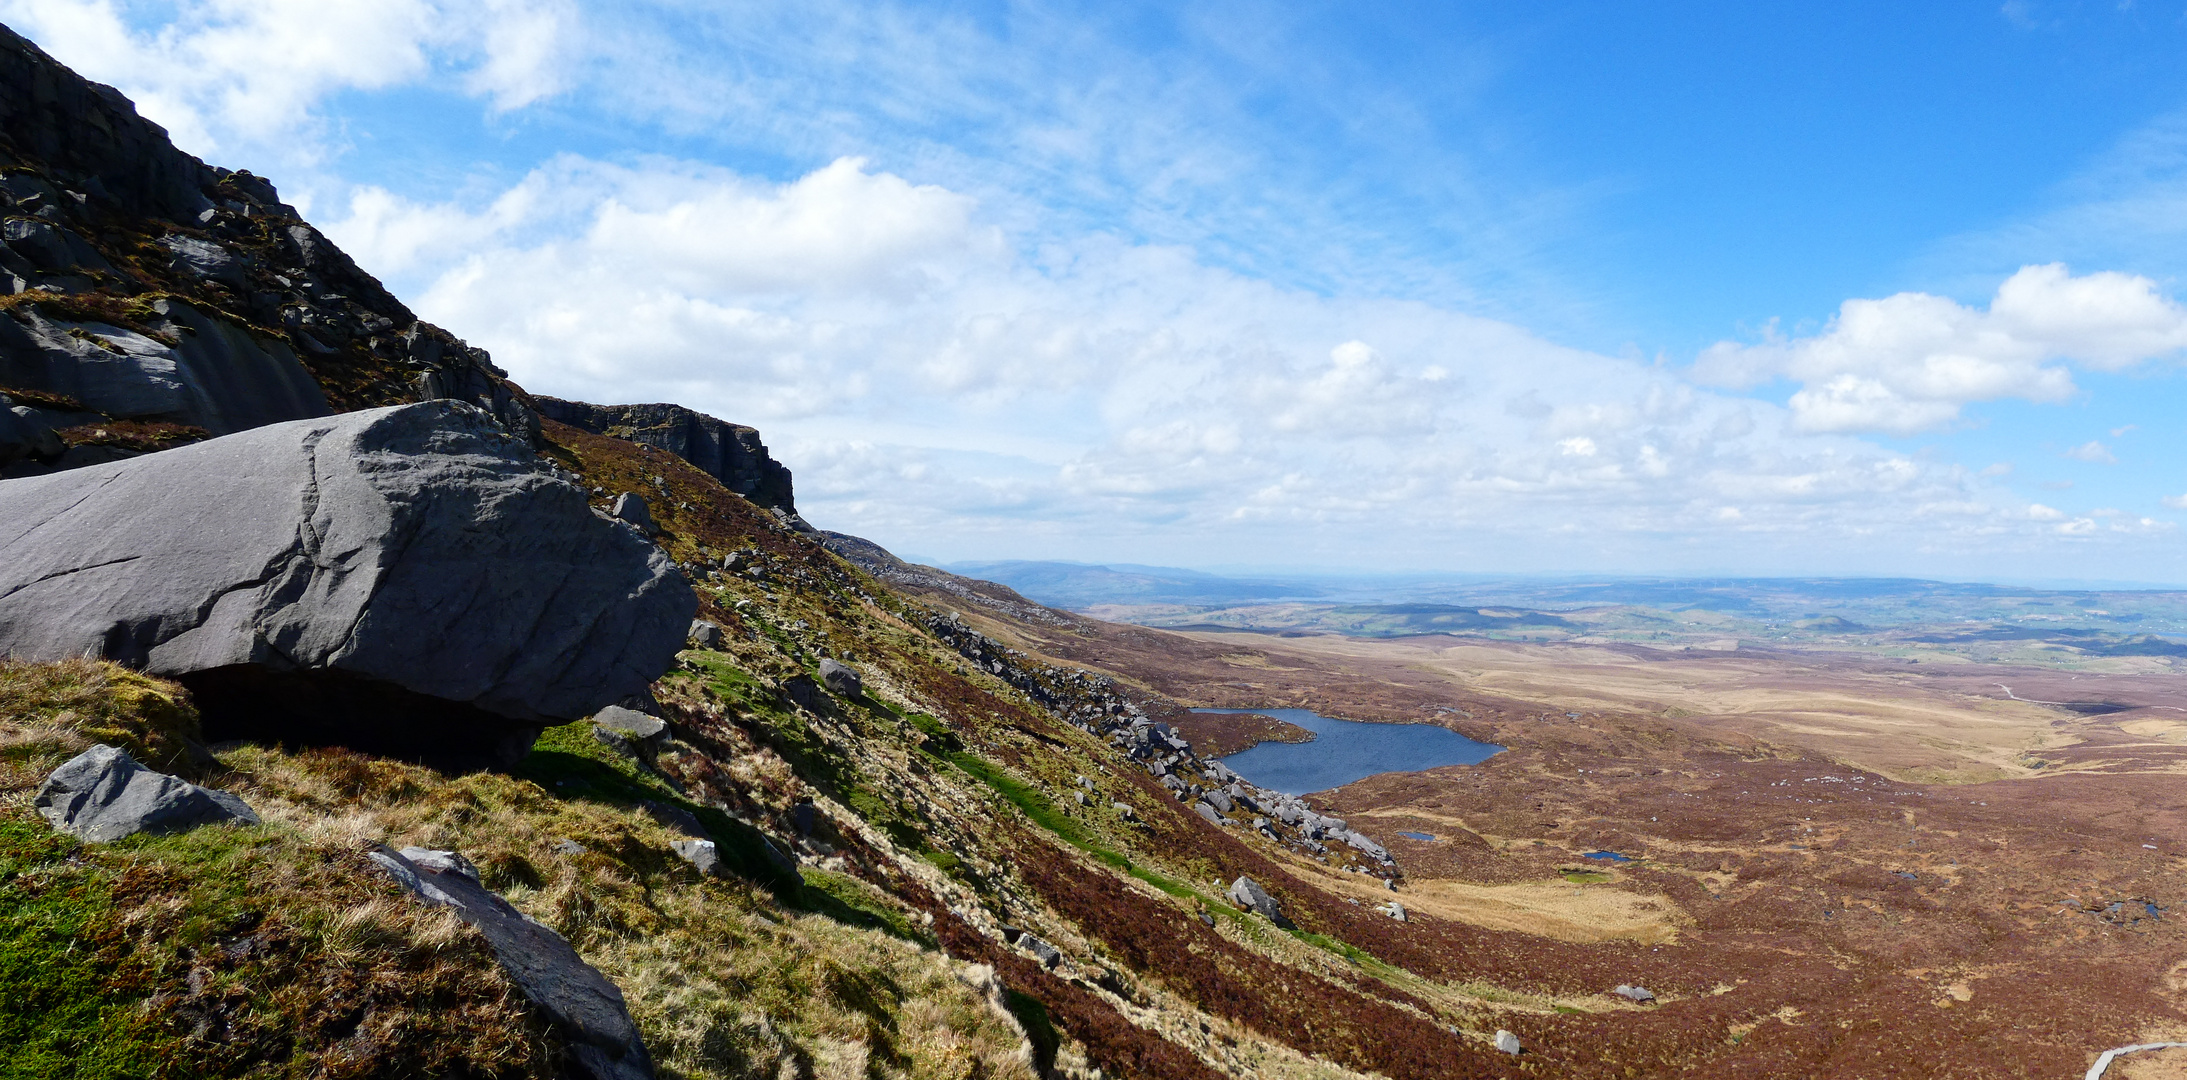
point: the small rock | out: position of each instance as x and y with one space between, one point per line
603 1041
1048 955
630 506
630 722
102 794
568 847
1208 812
674 818
703 855
1124 810
1394 910
841 679
1506 1041
441 862
706 634
1247 894
1637 993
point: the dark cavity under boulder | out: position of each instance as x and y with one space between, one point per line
409 581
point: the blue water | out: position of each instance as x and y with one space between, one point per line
1417 835
1347 750
1610 856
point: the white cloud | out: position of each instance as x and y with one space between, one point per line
2039 512
2078 527
226 75
1095 389
2176 502
2093 452
1910 362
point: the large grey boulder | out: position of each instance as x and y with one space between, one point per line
409 580
102 794
588 1009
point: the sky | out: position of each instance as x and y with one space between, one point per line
1594 287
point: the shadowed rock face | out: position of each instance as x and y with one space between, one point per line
731 452
408 580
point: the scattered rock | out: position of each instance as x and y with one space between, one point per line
1247 894
842 679
1637 993
589 1010
409 581
705 635
1208 812
801 690
631 507
102 794
1048 955
1394 910
675 818
1506 1041
1124 811
703 855
629 732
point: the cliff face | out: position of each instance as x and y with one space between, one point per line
148 299
731 453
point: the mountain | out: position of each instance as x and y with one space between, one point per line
849 828
1077 586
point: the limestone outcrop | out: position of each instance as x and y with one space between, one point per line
409 580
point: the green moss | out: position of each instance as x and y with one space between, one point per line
67 1014
848 900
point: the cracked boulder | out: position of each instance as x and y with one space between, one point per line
102 794
409 581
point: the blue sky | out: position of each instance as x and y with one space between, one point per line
1595 287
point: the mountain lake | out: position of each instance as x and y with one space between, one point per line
1346 750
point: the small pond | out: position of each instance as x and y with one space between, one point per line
1417 835
1606 856
1348 750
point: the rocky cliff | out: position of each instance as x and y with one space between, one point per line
730 453
151 299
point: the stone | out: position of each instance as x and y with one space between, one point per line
705 634
588 1009
102 794
1637 993
630 722
1506 1041
675 819
631 507
1208 812
410 581
703 855
1048 955
841 679
802 690
1218 799
1247 894
1394 910
24 435
1124 810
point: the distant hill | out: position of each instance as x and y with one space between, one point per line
1078 586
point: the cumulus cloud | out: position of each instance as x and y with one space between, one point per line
2093 452
223 75
1911 362
934 379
